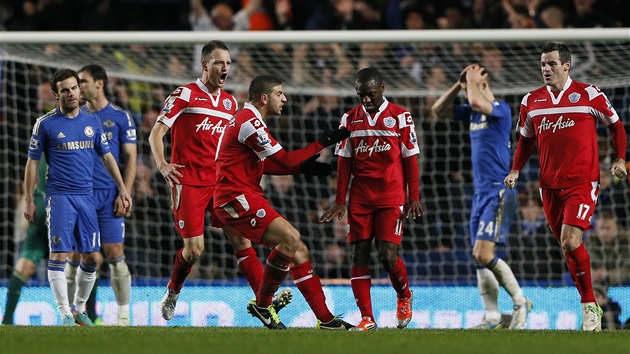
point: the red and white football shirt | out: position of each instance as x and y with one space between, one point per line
377 146
242 150
196 119
565 128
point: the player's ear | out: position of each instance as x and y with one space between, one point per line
264 98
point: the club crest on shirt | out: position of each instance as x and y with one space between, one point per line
574 97
389 122
181 224
109 123
56 240
89 131
261 213
227 103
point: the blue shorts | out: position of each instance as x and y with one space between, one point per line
72 223
492 212
112 228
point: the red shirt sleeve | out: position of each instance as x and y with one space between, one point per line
285 162
618 134
524 149
272 168
344 171
412 176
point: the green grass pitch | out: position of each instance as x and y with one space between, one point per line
189 340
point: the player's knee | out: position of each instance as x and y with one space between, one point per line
301 254
388 259
291 240
570 244
482 256
193 252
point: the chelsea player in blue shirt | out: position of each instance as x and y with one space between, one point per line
68 138
493 204
120 130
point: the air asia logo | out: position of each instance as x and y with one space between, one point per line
375 148
559 124
207 125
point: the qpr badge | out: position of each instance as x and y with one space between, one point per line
227 103
574 97
181 224
261 213
389 122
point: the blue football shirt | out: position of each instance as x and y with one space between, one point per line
69 145
119 128
490 143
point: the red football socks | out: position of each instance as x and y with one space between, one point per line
276 270
249 265
311 287
181 269
361 282
579 264
400 282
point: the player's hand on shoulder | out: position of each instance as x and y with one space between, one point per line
335 211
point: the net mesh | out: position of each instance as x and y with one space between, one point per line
318 80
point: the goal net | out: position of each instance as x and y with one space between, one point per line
318 69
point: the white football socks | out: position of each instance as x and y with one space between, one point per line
121 284
489 291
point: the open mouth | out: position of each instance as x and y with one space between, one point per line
223 78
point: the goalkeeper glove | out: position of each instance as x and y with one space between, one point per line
331 137
314 168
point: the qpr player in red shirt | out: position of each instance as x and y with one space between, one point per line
560 119
246 151
381 156
197 114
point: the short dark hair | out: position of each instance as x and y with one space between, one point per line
262 84
563 50
61 75
212 45
368 74
96 71
462 77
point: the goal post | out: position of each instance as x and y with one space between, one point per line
317 69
